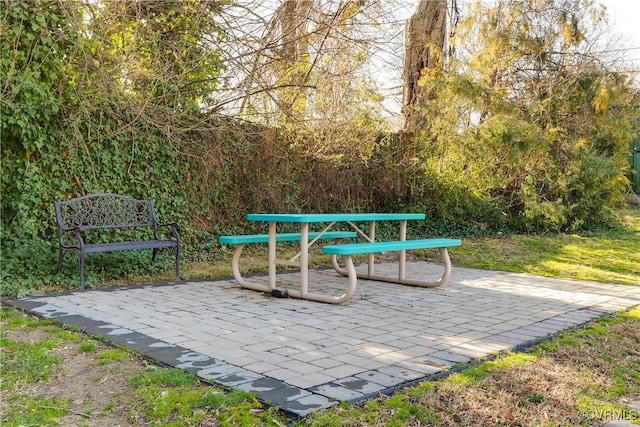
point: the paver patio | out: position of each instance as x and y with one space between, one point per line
304 356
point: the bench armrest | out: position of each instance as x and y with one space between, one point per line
175 229
66 241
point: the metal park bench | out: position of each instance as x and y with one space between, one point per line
109 211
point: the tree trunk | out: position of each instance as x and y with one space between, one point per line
294 15
424 46
425 33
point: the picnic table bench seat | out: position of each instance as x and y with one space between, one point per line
106 211
349 249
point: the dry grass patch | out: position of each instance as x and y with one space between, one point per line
585 377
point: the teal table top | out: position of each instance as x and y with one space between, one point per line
333 217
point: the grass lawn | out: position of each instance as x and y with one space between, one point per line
607 256
55 376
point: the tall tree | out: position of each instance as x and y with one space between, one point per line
537 112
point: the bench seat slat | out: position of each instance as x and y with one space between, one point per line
125 246
392 246
283 237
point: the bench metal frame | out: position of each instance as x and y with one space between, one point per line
109 211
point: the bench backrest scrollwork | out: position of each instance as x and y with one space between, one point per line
101 211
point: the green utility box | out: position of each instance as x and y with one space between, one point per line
634 160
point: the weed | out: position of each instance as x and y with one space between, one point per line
154 375
87 347
535 398
569 340
469 376
36 411
509 361
111 355
25 362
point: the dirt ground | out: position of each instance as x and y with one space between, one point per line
96 391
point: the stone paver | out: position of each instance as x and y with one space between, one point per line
304 356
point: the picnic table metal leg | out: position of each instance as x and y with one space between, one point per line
371 257
353 282
402 261
303 292
444 254
336 266
304 260
272 255
235 268
421 283
401 279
